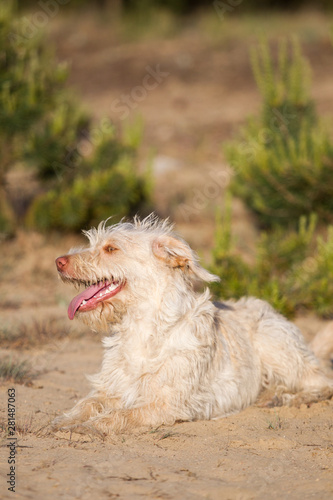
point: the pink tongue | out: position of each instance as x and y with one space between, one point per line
85 295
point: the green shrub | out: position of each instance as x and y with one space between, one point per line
39 120
235 274
283 159
44 129
293 269
280 250
311 280
104 184
53 138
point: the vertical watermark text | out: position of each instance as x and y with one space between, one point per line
12 440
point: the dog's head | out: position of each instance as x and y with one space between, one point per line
129 265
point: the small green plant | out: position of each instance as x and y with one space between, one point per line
283 159
166 435
274 423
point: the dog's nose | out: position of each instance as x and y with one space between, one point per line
61 263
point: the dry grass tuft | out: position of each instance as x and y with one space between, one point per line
16 371
33 334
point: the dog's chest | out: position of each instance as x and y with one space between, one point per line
131 355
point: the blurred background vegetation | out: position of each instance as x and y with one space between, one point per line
83 137
43 127
188 6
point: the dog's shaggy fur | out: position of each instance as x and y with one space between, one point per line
171 354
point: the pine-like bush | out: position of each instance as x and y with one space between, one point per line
85 173
311 280
293 269
38 119
104 184
283 160
235 274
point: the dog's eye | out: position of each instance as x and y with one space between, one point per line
110 249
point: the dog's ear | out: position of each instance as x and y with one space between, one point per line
178 255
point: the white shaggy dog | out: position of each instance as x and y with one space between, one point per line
171 354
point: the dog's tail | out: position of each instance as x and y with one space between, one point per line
322 344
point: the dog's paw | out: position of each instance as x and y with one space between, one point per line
61 422
64 422
84 428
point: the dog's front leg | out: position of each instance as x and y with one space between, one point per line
86 408
115 421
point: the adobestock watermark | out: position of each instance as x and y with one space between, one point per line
121 106
279 123
223 8
218 180
248 149
216 183
54 350
31 25
90 138
126 103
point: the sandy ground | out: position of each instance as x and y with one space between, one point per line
260 453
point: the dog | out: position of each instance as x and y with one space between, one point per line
171 354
